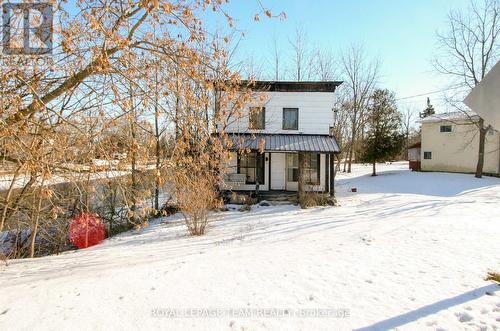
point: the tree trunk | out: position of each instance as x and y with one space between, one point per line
345 161
133 158
349 162
351 147
157 150
374 171
480 156
332 175
34 229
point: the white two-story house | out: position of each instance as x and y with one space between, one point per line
291 127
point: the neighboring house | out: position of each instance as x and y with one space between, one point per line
291 127
450 142
484 99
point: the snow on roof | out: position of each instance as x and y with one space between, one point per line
450 117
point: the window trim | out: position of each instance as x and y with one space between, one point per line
427 154
260 165
293 167
283 118
262 124
308 181
444 128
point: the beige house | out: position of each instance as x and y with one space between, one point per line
450 142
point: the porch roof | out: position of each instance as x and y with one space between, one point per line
285 142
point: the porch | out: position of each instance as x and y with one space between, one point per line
282 163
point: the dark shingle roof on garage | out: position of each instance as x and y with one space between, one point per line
285 142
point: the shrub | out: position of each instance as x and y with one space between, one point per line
246 207
169 208
312 199
494 276
196 198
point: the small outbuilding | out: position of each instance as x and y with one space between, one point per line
414 152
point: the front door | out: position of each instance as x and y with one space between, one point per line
277 171
292 172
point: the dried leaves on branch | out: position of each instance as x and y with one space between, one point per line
122 114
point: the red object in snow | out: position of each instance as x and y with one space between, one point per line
354 189
86 230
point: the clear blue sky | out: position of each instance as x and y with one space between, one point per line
402 33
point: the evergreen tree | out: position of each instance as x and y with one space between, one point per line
384 139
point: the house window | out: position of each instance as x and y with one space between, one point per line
445 128
311 168
290 118
428 155
252 165
257 118
292 167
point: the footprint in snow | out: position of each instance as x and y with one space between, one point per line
464 317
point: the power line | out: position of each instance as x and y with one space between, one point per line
428 93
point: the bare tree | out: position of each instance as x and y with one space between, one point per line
276 59
325 65
360 76
468 49
58 117
407 119
299 55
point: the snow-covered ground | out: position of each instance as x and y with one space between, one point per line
407 251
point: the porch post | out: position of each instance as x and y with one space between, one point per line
327 173
301 173
269 173
332 175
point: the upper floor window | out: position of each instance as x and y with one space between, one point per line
290 118
445 128
257 118
427 155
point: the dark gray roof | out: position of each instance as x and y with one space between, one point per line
287 86
285 142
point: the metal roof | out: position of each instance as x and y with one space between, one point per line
285 142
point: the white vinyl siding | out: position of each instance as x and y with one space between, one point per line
315 112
